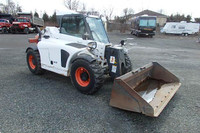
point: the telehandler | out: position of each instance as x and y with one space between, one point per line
81 49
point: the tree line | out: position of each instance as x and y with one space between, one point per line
179 17
12 8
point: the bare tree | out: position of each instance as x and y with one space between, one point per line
72 4
105 14
83 7
11 8
19 8
127 13
1 7
108 13
130 11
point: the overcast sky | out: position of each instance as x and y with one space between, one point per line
187 7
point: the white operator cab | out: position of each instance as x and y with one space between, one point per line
58 46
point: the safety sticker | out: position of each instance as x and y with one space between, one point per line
112 59
114 68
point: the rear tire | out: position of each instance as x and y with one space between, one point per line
151 36
87 77
33 62
184 34
26 31
36 30
13 31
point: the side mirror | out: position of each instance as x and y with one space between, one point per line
92 45
85 36
123 42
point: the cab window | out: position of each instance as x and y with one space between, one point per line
173 26
181 27
1 20
73 25
21 20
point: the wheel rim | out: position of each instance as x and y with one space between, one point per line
26 30
31 61
82 77
4 30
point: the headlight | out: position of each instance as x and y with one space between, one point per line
92 45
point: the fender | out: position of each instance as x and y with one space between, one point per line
86 56
33 47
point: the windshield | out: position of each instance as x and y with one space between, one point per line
147 22
97 29
1 20
21 20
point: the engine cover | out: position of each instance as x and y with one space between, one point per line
116 60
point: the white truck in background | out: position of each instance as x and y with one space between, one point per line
182 28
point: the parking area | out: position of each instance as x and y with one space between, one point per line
49 103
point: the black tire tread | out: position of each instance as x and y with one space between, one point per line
128 63
39 69
4 30
26 31
98 74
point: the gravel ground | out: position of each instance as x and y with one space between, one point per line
49 103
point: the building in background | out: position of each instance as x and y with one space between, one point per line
161 18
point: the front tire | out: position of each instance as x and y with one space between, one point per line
33 62
26 31
87 77
137 34
131 32
4 30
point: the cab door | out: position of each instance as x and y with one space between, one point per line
73 27
72 30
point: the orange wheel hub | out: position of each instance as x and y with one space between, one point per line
82 76
31 61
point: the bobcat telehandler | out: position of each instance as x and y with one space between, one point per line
80 48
